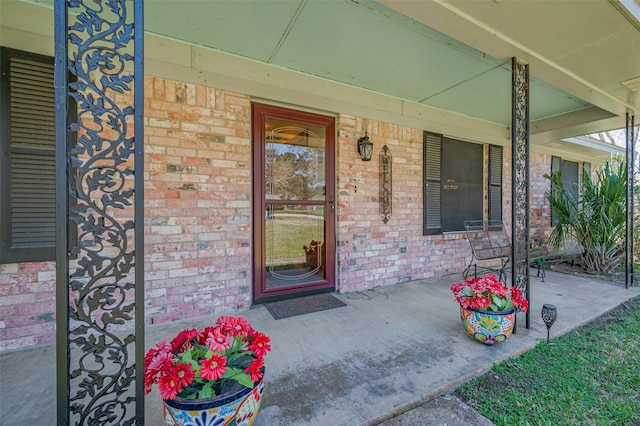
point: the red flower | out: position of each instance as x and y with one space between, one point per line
199 359
254 369
226 323
182 342
148 382
214 367
480 302
518 301
217 341
169 386
496 287
478 287
156 367
456 289
161 347
241 327
260 344
481 292
184 374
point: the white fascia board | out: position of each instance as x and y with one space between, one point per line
589 142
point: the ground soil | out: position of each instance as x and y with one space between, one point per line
572 266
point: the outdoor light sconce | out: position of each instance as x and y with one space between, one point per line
365 147
549 315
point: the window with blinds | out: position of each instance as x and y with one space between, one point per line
454 185
27 142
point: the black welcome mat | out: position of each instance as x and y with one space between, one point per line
303 305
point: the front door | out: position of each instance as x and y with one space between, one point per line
293 201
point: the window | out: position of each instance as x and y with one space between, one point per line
454 183
27 157
569 171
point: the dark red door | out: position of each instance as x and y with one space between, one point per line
293 200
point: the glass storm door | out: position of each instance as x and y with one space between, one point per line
294 193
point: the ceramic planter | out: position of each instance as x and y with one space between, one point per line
488 327
238 408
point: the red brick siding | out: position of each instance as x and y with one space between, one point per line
197 200
540 213
371 253
198 209
27 304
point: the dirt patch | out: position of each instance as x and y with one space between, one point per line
573 267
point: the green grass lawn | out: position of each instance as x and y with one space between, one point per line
590 376
286 236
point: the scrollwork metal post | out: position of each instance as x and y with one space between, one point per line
520 172
631 150
99 203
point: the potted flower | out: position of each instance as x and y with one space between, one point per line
209 375
488 308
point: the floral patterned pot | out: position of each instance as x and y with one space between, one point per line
488 327
237 408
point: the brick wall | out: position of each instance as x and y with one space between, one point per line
198 211
197 200
27 304
370 252
540 212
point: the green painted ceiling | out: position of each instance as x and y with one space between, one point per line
362 44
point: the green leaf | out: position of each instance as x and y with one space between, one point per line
244 380
186 358
239 376
498 301
207 391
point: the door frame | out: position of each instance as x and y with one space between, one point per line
260 113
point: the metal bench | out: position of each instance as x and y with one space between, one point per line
490 247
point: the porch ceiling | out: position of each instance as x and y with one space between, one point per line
580 51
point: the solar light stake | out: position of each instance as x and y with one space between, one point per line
549 315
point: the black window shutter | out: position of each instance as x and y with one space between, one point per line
28 157
432 221
495 182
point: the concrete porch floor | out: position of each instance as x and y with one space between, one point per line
388 351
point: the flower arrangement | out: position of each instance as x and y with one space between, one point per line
489 294
538 245
203 363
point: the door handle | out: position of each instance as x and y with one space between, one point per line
333 204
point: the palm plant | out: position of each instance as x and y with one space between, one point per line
594 217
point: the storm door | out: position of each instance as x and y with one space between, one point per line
293 200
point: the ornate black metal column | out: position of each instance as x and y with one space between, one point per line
631 149
99 202
520 170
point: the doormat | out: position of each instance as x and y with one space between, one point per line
303 305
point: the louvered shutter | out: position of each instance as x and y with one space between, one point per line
28 219
432 222
495 183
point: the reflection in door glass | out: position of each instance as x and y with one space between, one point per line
295 162
295 244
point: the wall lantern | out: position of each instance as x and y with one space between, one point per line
365 147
